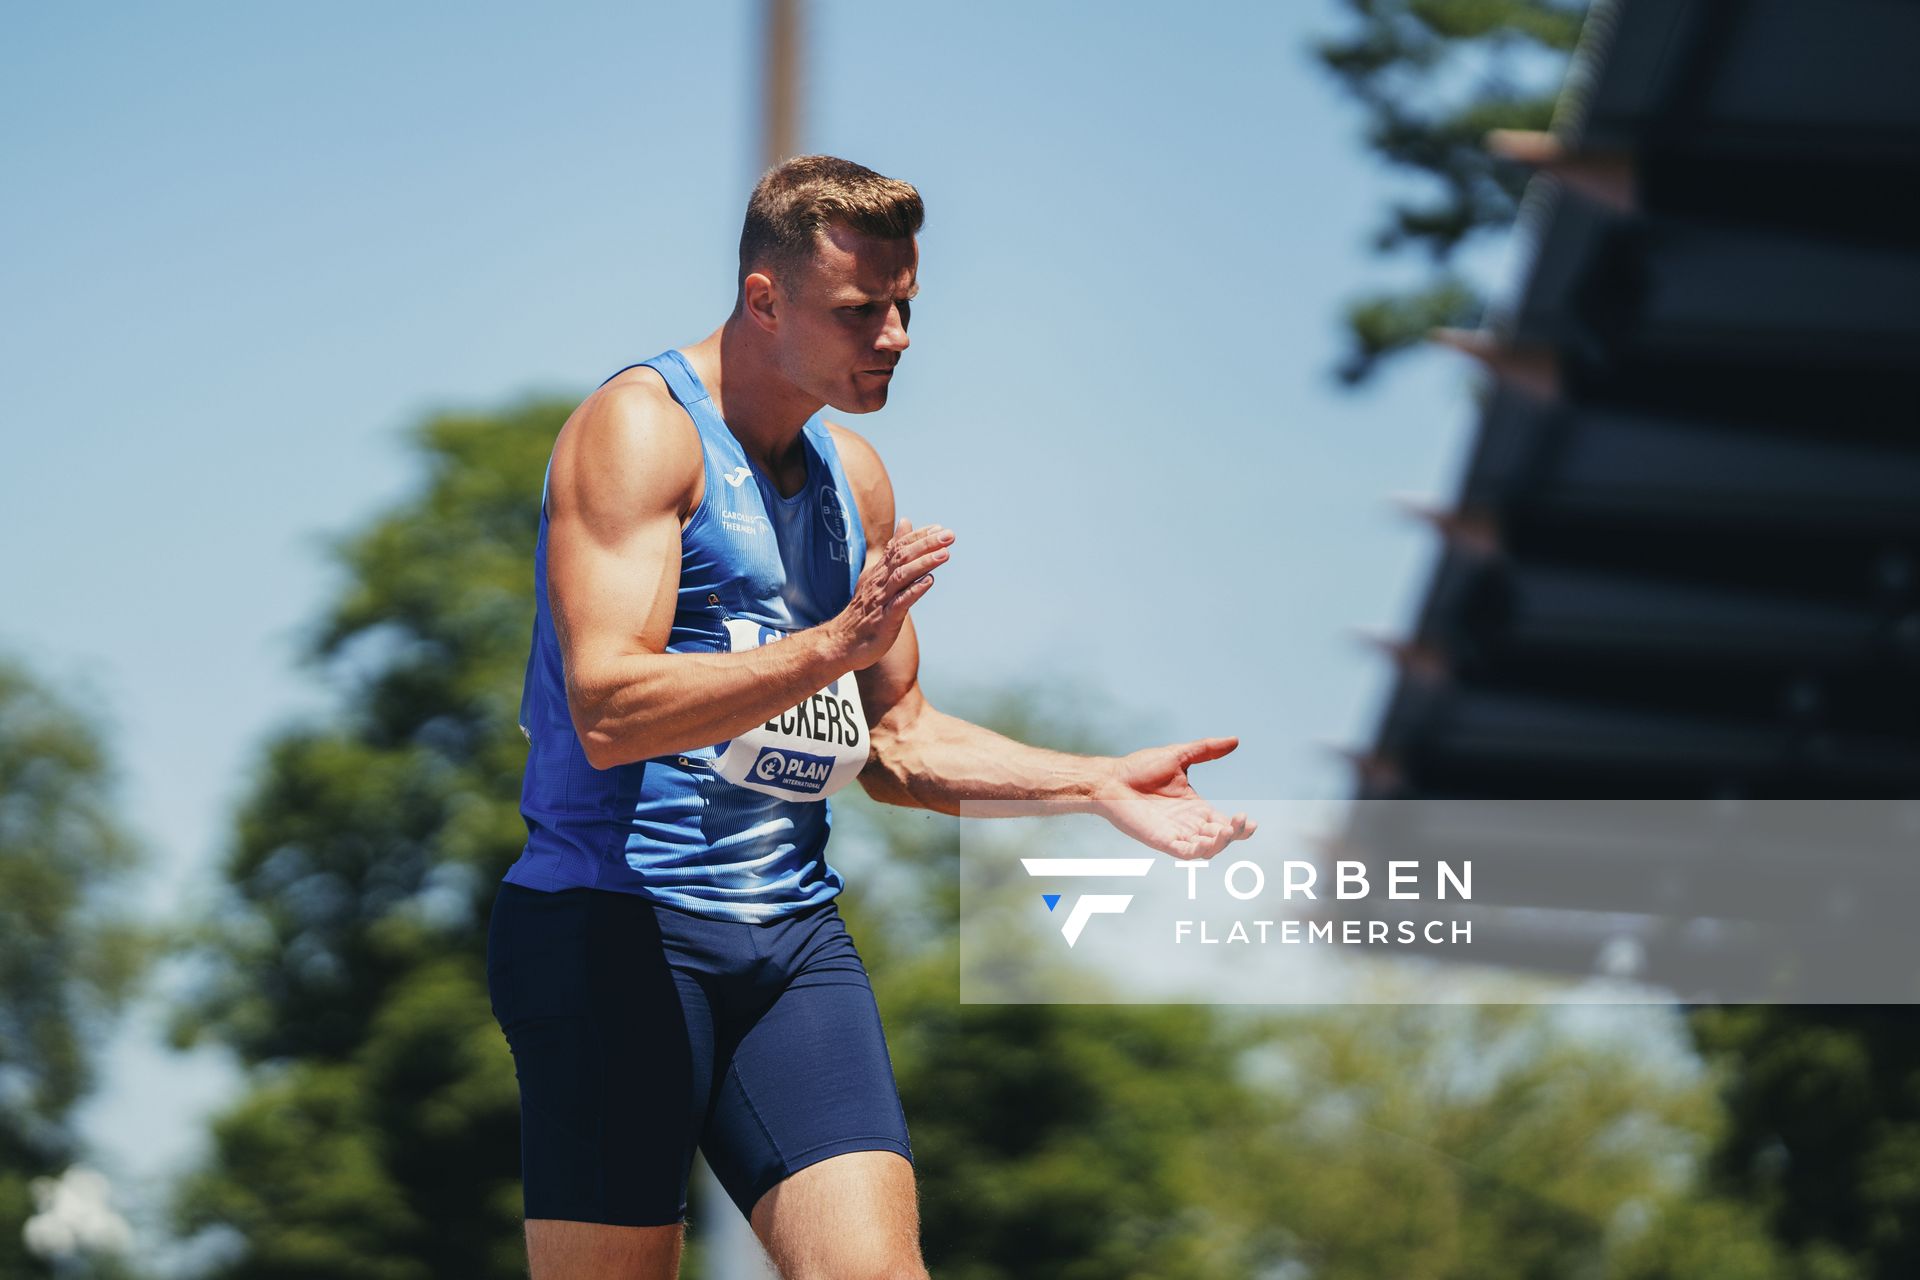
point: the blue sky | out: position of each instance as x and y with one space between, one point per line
248 245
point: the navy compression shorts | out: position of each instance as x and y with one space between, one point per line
640 1031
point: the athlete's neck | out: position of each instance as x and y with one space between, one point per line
764 411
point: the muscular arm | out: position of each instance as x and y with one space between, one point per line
924 758
626 473
927 759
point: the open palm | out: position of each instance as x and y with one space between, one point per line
1150 799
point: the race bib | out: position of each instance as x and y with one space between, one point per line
807 752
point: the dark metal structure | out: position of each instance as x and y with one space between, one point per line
1684 558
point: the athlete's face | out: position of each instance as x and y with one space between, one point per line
845 322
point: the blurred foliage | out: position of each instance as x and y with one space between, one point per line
1433 77
1127 1142
378 1134
1823 1136
346 967
66 962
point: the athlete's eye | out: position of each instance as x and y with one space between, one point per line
906 312
863 309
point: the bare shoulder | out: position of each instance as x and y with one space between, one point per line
872 488
628 447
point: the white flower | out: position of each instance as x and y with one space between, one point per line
74 1215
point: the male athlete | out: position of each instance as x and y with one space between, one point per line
721 640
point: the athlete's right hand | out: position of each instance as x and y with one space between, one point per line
871 622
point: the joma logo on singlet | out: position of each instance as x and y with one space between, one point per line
794 770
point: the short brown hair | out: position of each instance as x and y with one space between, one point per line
797 199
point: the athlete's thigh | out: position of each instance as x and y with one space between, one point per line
558 1250
612 1047
808 1083
851 1217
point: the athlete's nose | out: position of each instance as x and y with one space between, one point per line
893 337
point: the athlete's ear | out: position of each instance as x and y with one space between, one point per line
757 293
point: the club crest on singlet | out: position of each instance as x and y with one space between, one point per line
834 517
807 752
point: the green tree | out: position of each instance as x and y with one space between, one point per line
1434 76
1139 1142
66 961
1823 1138
346 968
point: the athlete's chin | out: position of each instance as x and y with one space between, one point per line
866 395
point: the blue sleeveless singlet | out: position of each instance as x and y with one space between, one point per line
671 828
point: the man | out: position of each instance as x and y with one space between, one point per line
722 639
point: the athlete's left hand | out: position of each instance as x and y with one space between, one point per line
1149 798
